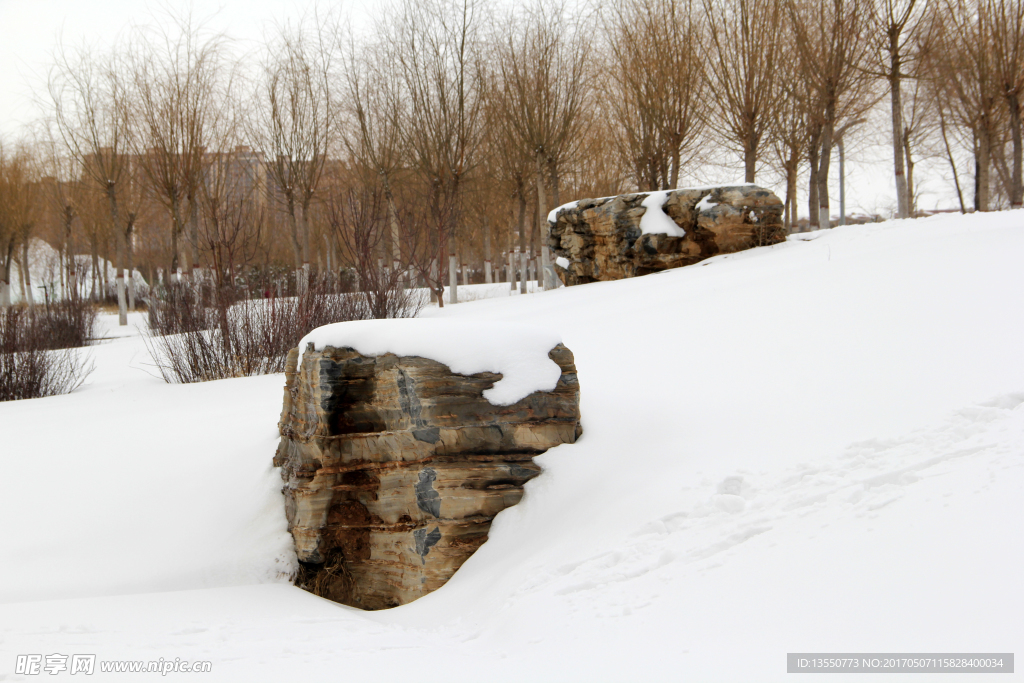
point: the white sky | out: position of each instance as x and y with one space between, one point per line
31 29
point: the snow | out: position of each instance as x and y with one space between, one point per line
811 447
655 221
705 204
562 262
518 352
553 214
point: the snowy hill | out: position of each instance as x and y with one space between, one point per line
812 447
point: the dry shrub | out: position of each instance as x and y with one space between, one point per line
65 324
193 343
38 354
177 308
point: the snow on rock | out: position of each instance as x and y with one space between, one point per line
655 221
518 352
554 212
705 204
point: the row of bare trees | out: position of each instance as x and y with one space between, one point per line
448 130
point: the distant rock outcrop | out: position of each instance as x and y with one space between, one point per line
637 234
395 466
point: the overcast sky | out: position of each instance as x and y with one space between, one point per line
31 29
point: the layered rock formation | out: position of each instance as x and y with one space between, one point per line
395 466
609 239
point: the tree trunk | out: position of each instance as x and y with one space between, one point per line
5 276
523 274
176 224
306 240
435 283
69 247
122 304
791 196
1016 188
952 163
842 183
522 233
487 253
911 202
396 247
453 279
130 250
555 180
26 274
902 196
824 218
812 194
193 221
95 268
749 159
982 163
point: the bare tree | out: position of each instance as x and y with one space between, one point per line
895 24
360 220
512 164
292 125
1007 22
657 66
64 194
437 47
790 137
231 215
961 64
743 40
543 84
176 76
373 138
89 94
831 41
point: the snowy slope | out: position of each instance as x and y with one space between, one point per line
812 447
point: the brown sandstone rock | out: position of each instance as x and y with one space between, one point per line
395 466
602 238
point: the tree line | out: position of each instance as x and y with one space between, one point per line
444 133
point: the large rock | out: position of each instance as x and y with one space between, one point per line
609 239
395 466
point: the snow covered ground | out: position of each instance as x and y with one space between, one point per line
811 447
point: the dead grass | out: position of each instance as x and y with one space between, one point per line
331 580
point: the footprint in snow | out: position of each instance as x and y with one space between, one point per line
730 496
